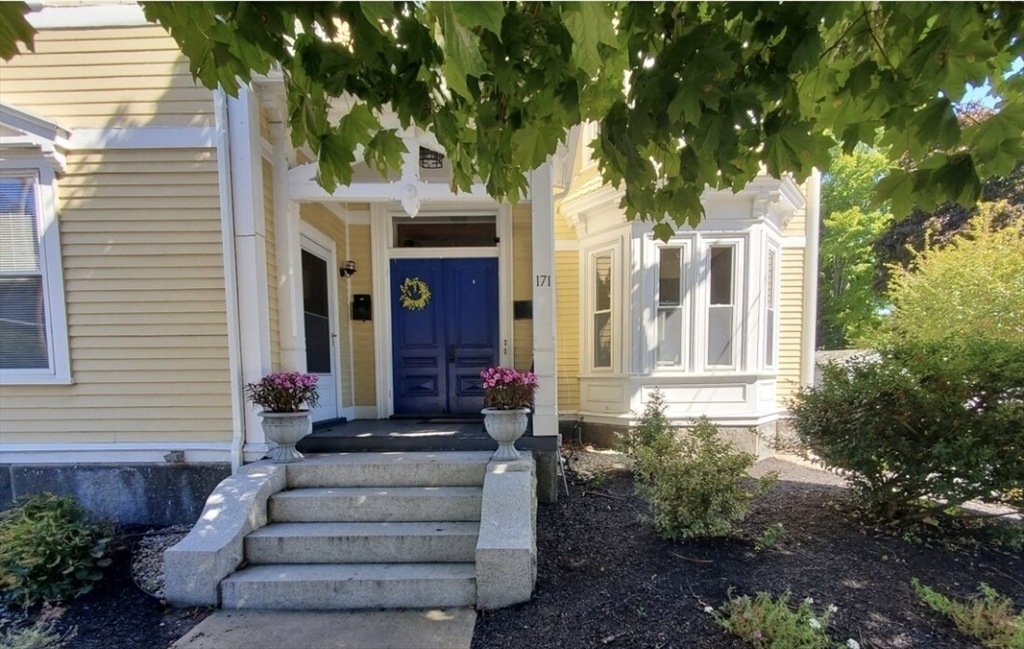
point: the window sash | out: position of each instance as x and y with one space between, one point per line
672 340
771 307
601 313
721 292
24 343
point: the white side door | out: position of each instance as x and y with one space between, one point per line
320 312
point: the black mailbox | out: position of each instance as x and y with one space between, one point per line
361 308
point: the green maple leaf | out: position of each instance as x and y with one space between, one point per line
533 144
589 23
384 151
461 51
480 14
14 28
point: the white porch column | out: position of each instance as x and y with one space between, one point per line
289 258
545 416
250 253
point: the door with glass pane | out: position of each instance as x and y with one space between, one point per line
321 327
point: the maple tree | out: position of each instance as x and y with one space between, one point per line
688 95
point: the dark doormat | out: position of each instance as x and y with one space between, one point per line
453 420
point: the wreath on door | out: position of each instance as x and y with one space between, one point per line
415 294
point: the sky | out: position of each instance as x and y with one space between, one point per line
982 94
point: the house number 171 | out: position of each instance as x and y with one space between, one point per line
543 280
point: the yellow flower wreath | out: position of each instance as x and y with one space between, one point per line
415 294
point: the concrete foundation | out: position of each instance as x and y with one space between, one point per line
548 482
132 494
758 441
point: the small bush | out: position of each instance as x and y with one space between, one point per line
770 537
48 550
38 636
768 622
693 485
987 617
938 421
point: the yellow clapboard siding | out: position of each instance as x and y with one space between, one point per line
161 250
143 364
144 284
128 261
522 287
143 401
197 320
155 226
363 346
174 180
159 272
181 202
567 335
126 411
93 191
133 239
125 430
790 323
84 393
141 352
139 296
142 74
190 306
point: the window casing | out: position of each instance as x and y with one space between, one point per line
33 329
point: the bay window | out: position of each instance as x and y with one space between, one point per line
721 305
601 315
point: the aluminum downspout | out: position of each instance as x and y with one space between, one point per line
810 315
227 226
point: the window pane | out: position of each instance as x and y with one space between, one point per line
669 265
448 232
603 283
670 336
721 275
770 281
602 340
314 284
22 324
19 241
720 335
769 350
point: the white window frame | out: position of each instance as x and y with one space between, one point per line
59 370
590 285
772 249
739 263
686 342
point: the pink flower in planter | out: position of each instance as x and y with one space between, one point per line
284 392
506 388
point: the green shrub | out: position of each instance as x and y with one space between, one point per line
987 617
49 551
38 636
939 421
767 622
694 484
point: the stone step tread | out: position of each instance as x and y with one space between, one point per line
349 492
399 458
379 529
319 572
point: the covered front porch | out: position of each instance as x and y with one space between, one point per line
334 299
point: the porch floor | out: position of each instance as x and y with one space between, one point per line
411 435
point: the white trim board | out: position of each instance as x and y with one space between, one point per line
113 452
111 15
144 137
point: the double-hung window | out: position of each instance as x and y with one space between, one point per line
673 334
33 337
602 322
721 321
771 306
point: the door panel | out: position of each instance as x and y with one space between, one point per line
472 330
418 341
439 351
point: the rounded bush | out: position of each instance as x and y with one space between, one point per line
49 550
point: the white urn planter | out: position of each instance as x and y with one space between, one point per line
505 427
285 429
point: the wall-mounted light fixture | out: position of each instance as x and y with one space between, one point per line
349 269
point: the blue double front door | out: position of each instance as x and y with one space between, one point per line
444 318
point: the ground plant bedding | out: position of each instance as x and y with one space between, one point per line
605 580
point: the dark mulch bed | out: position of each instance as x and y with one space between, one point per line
115 615
605 580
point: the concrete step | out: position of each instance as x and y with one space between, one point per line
436 469
376 504
444 542
350 586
